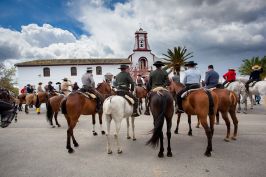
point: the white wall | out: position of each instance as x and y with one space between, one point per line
34 75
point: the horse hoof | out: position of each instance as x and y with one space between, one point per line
119 151
134 139
103 132
76 145
128 137
38 113
197 126
160 155
58 125
110 152
95 133
169 154
233 138
208 154
226 140
70 150
189 133
176 131
52 126
147 113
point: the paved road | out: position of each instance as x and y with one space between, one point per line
30 148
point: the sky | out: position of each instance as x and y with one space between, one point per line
218 32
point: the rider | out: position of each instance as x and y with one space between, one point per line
211 77
158 77
29 88
75 86
254 75
191 81
140 81
39 88
65 86
230 76
89 86
124 83
50 88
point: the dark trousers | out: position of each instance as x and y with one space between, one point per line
99 98
248 82
186 88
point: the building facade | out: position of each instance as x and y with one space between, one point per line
35 71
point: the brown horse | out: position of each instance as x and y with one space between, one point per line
161 105
22 100
30 101
141 93
199 102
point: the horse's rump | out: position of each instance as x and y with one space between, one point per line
141 92
117 105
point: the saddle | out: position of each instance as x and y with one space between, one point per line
186 93
123 94
227 84
87 94
251 84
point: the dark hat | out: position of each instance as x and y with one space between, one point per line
210 66
231 69
158 63
58 83
89 68
28 84
40 83
123 67
65 79
50 82
191 63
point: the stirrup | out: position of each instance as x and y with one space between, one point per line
135 114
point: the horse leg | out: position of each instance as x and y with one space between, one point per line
239 104
146 105
140 105
147 112
203 121
101 122
227 122
177 122
235 122
51 123
168 133
189 124
55 118
108 122
26 109
68 144
133 127
20 107
128 136
198 123
93 125
161 145
117 128
251 101
217 118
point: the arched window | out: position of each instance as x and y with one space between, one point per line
73 71
98 70
143 63
46 72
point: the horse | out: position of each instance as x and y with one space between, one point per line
201 103
116 108
42 97
141 93
259 88
30 100
239 88
161 106
22 100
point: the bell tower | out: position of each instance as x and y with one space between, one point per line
141 41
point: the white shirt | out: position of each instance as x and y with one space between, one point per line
192 76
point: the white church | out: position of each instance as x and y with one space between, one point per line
35 71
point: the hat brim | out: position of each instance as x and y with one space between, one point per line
191 64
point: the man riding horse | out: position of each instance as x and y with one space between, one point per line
230 76
191 81
254 75
89 86
65 86
124 83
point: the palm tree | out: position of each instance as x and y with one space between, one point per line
176 59
246 67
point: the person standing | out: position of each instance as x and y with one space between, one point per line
75 86
191 81
211 78
124 84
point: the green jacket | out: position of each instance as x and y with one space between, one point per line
124 81
158 78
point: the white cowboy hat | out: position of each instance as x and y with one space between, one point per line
256 67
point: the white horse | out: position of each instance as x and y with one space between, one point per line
239 88
258 89
117 108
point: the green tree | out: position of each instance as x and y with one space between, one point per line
176 58
246 67
6 78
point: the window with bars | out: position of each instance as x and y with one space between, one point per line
73 71
98 70
46 72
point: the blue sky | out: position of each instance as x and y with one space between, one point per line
218 32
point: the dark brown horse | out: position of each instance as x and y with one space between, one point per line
199 103
141 93
161 106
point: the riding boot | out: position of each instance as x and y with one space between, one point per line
135 108
179 108
98 105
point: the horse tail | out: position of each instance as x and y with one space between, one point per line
63 106
233 98
211 102
158 125
49 112
37 104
